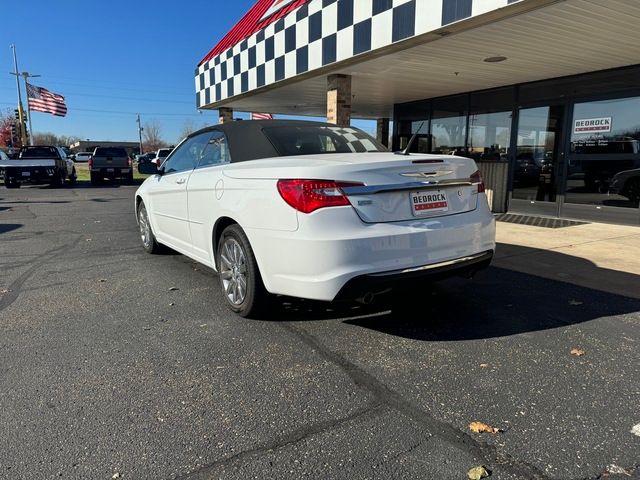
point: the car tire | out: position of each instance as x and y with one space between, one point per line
130 179
74 177
632 190
95 180
58 180
240 278
149 242
11 183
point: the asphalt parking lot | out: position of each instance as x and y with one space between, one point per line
118 364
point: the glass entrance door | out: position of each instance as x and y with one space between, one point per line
603 162
537 161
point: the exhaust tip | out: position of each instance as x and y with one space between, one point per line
367 298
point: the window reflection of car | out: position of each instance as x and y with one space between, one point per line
627 184
603 158
528 168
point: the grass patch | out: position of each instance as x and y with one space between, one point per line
82 170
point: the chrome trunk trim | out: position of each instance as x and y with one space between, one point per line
398 187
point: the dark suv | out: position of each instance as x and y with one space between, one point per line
110 162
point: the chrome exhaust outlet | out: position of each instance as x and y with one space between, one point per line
366 299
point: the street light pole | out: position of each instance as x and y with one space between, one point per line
140 133
27 75
23 133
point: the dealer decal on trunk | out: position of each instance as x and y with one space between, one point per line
425 202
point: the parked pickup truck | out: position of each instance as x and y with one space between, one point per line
110 162
39 164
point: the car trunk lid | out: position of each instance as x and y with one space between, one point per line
394 187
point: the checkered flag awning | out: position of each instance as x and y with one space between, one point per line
305 36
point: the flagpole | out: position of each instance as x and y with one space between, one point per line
23 133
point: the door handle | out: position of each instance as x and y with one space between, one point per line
180 181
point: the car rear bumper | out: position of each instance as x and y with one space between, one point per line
333 253
112 171
360 287
30 174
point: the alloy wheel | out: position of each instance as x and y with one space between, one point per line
233 271
145 228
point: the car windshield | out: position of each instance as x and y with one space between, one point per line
38 152
313 140
110 152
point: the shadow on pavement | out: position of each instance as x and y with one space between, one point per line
497 303
9 227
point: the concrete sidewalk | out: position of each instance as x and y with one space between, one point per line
598 256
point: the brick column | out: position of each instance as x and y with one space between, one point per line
226 115
382 131
339 99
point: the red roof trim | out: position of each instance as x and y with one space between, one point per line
250 24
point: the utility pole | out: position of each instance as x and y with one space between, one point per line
23 130
140 129
27 75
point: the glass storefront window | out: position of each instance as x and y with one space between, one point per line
489 136
537 156
604 161
408 128
449 126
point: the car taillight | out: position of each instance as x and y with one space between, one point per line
476 179
129 161
307 196
90 162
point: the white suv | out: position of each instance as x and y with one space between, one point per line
83 156
161 154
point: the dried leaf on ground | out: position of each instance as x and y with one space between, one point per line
616 470
578 352
479 427
477 473
636 430
484 365
4 290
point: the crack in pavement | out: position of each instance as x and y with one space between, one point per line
15 288
278 443
489 454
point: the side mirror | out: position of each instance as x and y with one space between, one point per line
148 168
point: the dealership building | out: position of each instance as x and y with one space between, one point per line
543 94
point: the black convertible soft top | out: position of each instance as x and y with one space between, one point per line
247 140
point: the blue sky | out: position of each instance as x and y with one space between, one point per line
114 59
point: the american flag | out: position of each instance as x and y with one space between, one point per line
42 100
261 116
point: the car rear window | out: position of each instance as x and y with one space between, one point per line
38 152
313 140
110 152
163 153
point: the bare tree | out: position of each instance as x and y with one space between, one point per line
68 140
188 128
46 138
152 136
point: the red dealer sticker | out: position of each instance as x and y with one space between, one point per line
429 201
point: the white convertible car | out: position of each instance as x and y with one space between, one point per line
315 211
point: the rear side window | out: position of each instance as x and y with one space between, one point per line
39 152
110 152
313 140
